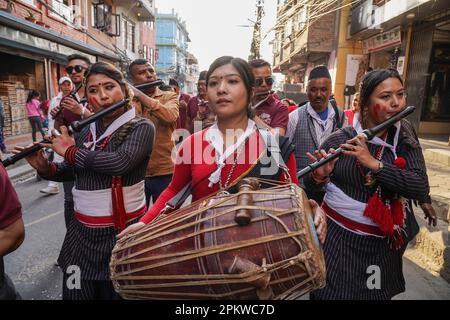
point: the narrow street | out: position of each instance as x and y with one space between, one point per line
141 98
32 267
33 270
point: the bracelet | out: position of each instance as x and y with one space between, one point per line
69 155
83 110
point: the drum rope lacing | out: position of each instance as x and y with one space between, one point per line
217 278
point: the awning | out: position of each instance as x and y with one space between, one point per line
21 34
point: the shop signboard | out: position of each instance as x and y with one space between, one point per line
383 40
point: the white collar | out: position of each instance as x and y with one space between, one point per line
116 124
376 140
316 116
215 138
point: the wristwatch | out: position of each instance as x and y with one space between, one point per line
380 167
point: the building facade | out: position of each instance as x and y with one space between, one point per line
412 36
352 37
303 39
191 75
172 43
36 36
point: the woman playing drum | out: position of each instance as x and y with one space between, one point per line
367 227
107 162
220 156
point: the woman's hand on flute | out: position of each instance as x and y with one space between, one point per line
131 229
60 143
357 147
320 221
38 160
322 173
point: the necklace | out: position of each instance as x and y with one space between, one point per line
227 182
369 179
103 144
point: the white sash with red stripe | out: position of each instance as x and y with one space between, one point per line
95 208
347 207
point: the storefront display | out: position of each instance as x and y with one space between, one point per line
438 97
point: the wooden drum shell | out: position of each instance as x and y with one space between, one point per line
200 252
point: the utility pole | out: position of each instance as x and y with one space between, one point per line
256 40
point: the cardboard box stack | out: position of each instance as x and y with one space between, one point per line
13 93
5 102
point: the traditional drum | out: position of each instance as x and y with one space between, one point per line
254 244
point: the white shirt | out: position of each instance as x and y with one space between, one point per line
215 138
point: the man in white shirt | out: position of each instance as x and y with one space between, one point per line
65 88
313 122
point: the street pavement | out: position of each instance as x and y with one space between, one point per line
32 266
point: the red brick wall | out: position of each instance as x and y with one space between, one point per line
148 37
57 24
321 37
41 13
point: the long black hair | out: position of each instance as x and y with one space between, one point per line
244 70
32 94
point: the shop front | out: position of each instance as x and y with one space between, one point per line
437 101
385 50
33 58
19 74
428 82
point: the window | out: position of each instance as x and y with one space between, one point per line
288 27
80 13
62 9
152 57
104 20
101 15
302 18
29 2
129 35
132 37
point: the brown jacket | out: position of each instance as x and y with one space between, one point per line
164 116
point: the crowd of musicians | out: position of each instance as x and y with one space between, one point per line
120 172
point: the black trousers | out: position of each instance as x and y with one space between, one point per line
90 290
68 202
154 186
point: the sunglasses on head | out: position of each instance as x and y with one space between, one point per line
77 69
259 81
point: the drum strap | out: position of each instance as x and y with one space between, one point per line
182 195
273 149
